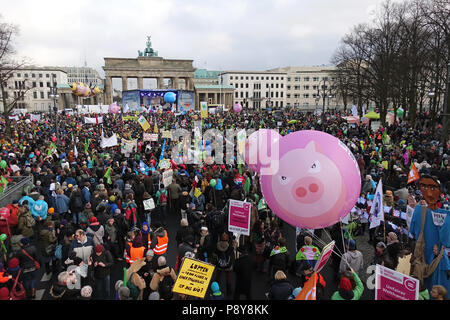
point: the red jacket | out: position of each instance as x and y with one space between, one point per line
13 216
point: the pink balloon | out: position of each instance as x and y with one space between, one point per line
237 108
316 180
258 144
114 108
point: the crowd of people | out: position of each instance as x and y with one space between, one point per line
91 209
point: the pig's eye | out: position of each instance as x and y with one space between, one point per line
284 180
315 167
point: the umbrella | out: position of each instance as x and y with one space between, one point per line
292 121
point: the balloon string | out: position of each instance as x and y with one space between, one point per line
323 243
335 247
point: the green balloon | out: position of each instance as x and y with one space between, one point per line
3 164
212 182
3 237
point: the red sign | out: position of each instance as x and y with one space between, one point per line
324 256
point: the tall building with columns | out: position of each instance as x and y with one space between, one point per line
169 73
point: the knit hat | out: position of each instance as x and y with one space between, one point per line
13 263
4 293
137 242
77 261
51 210
24 241
98 248
112 198
86 291
154 296
88 205
345 284
92 219
150 253
351 244
215 287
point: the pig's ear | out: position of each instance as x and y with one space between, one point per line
269 152
313 147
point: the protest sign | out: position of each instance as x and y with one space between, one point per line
167 177
144 123
393 285
194 278
324 256
239 217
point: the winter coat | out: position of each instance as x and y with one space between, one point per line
97 232
354 259
280 290
13 216
243 267
40 208
46 238
26 264
279 259
105 257
24 225
61 203
83 249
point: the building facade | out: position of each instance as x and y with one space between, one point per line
257 89
307 86
87 75
210 88
32 87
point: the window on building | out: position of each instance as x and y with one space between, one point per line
34 84
281 104
297 79
288 78
35 94
267 78
281 78
281 85
306 78
246 78
40 75
271 85
267 94
48 85
276 86
281 94
42 94
19 75
251 78
288 87
242 94
305 87
242 85
41 84
325 78
246 85
47 75
236 94
242 78
315 78
296 87
246 94
288 96
231 77
276 94
257 78
33 75
306 95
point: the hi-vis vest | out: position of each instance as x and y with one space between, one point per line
127 257
136 253
161 246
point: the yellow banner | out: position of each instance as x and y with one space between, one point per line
194 278
144 123
203 109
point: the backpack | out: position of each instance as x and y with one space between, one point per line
29 220
218 221
77 202
134 290
162 199
165 288
224 261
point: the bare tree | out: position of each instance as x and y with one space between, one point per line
9 64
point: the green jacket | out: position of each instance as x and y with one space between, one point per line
357 292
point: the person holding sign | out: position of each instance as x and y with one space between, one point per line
350 287
430 226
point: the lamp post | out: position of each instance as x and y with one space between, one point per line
55 96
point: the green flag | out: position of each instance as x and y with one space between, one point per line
3 184
107 175
86 145
247 185
52 148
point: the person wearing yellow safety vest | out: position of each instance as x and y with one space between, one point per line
160 241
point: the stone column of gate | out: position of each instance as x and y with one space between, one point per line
189 84
160 83
140 81
124 83
108 90
175 83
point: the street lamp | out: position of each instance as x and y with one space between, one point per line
55 96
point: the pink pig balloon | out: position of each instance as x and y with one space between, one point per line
317 181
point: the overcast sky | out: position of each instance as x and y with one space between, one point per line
217 35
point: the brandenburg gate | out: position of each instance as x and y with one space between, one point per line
148 65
